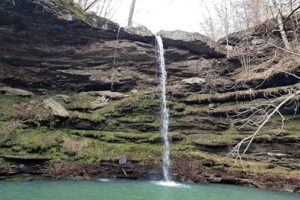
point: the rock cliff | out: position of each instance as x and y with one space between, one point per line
70 124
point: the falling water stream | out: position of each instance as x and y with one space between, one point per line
113 76
164 111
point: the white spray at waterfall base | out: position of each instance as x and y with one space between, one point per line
164 111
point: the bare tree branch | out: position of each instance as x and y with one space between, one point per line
91 5
268 115
290 15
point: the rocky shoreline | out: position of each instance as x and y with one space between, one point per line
133 171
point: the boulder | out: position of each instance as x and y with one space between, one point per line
55 108
15 92
194 81
195 42
140 31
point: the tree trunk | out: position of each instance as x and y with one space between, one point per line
281 27
131 12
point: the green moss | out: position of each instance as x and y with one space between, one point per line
79 12
241 95
226 138
138 108
63 7
293 127
136 119
8 100
80 101
124 137
91 146
89 116
115 151
37 141
6 103
136 112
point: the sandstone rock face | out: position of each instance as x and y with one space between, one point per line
195 42
140 33
56 46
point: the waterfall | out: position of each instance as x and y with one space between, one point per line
114 62
164 110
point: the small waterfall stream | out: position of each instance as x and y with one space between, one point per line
164 110
113 76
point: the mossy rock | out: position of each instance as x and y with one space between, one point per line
33 158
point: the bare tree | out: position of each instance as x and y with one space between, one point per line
259 116
131 12
241 14
222 10
107 8
103 8
279 17
208 26
90 5
87 4
234 15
